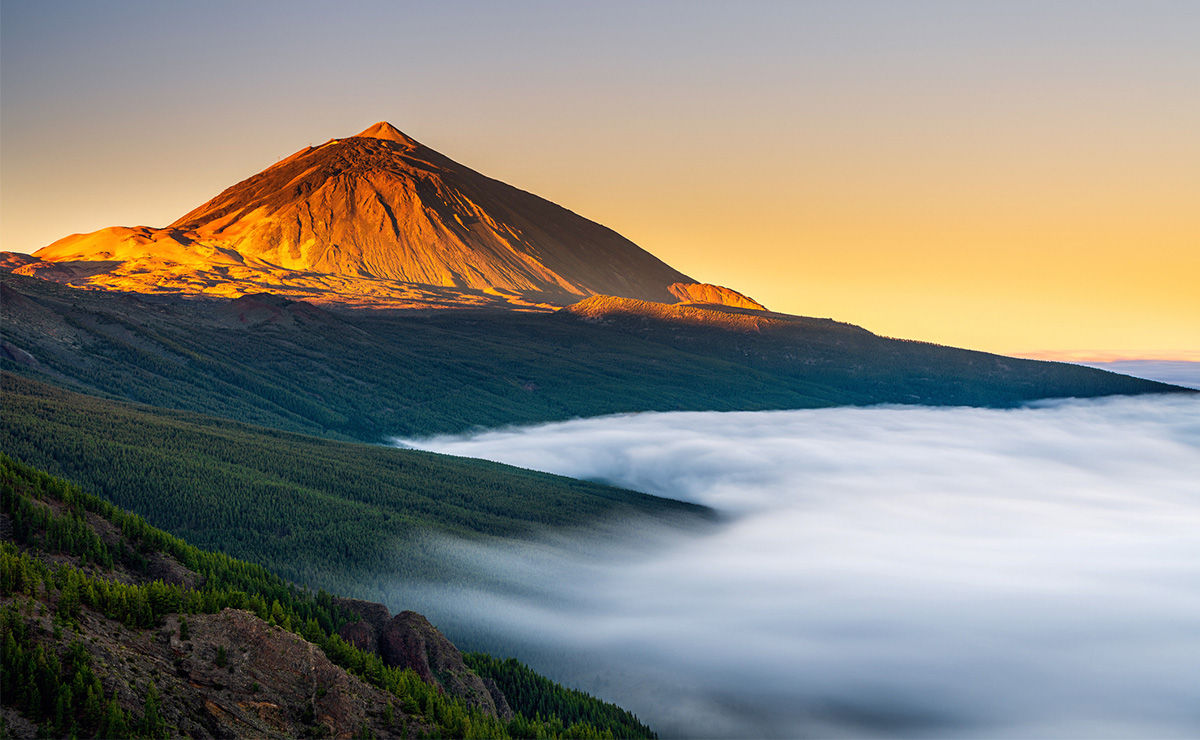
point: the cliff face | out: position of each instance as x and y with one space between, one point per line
408 640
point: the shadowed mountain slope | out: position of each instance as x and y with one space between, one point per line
368 374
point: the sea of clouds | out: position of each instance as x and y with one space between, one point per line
884 571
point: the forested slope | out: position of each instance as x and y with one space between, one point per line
112 628
316 511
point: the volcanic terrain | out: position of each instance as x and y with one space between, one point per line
379 220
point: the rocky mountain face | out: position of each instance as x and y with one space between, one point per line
717 295
374 219
235 675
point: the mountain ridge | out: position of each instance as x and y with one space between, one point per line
371 375
375 219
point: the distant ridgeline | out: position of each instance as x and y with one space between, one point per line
367 375
112 628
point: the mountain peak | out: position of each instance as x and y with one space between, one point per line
373 219
388 132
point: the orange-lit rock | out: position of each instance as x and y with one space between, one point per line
603 307
706 293
375 219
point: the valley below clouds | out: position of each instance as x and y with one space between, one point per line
875 572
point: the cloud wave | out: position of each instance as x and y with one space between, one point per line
887 571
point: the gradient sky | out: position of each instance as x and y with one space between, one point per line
1009 176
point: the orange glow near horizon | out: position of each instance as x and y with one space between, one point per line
1032 251
1011 179
982 262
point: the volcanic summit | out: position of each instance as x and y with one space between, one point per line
374 219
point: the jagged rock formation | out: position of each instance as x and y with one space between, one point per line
364 634
408 640
374 219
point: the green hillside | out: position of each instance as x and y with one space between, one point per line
319 512
113 628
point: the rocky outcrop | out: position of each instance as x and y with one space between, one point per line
373 619
375 615
408 640
253 679
361 635
228 675
606 309
412 642
706 293
498 698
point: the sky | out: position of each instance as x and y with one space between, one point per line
1018 177
877 572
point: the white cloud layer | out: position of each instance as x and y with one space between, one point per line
888 571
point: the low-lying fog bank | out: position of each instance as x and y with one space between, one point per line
890 571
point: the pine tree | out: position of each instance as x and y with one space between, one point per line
115 723
152 724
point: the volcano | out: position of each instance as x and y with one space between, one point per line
375 219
